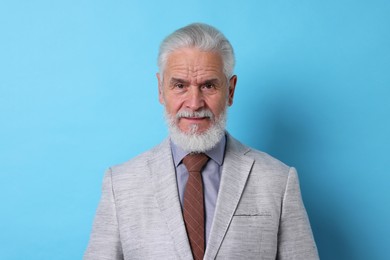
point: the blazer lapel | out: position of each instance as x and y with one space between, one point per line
235 171
164 178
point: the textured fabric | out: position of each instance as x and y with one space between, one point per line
259 212
211 176
193 211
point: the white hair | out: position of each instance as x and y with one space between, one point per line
203 37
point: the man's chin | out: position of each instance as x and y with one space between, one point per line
197 137
193 129
192 133
196 141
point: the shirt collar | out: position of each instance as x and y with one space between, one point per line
216 153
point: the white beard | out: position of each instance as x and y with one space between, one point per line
192 141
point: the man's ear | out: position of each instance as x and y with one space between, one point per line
232 88
160 89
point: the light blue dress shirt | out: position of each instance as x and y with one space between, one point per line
211 176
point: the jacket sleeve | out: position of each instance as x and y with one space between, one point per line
104 241
295 238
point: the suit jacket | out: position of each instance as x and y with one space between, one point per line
259 212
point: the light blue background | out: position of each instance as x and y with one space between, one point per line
78 93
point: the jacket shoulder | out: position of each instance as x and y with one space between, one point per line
261 159
142 160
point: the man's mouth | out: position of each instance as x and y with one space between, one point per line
195 119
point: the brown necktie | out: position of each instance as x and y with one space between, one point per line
193 211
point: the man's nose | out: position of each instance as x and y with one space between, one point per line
195 99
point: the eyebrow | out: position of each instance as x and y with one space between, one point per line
208 81
177 80
212 81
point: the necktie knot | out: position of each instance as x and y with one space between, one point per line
195 162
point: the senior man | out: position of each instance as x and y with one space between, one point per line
200 194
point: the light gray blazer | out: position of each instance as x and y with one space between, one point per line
259 212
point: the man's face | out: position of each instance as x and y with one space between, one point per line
194 81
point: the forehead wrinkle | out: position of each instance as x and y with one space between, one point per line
194 74
194 69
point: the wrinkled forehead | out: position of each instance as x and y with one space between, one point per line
191 63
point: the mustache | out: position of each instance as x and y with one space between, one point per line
202 113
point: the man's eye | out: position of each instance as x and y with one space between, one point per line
208 86
179 85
